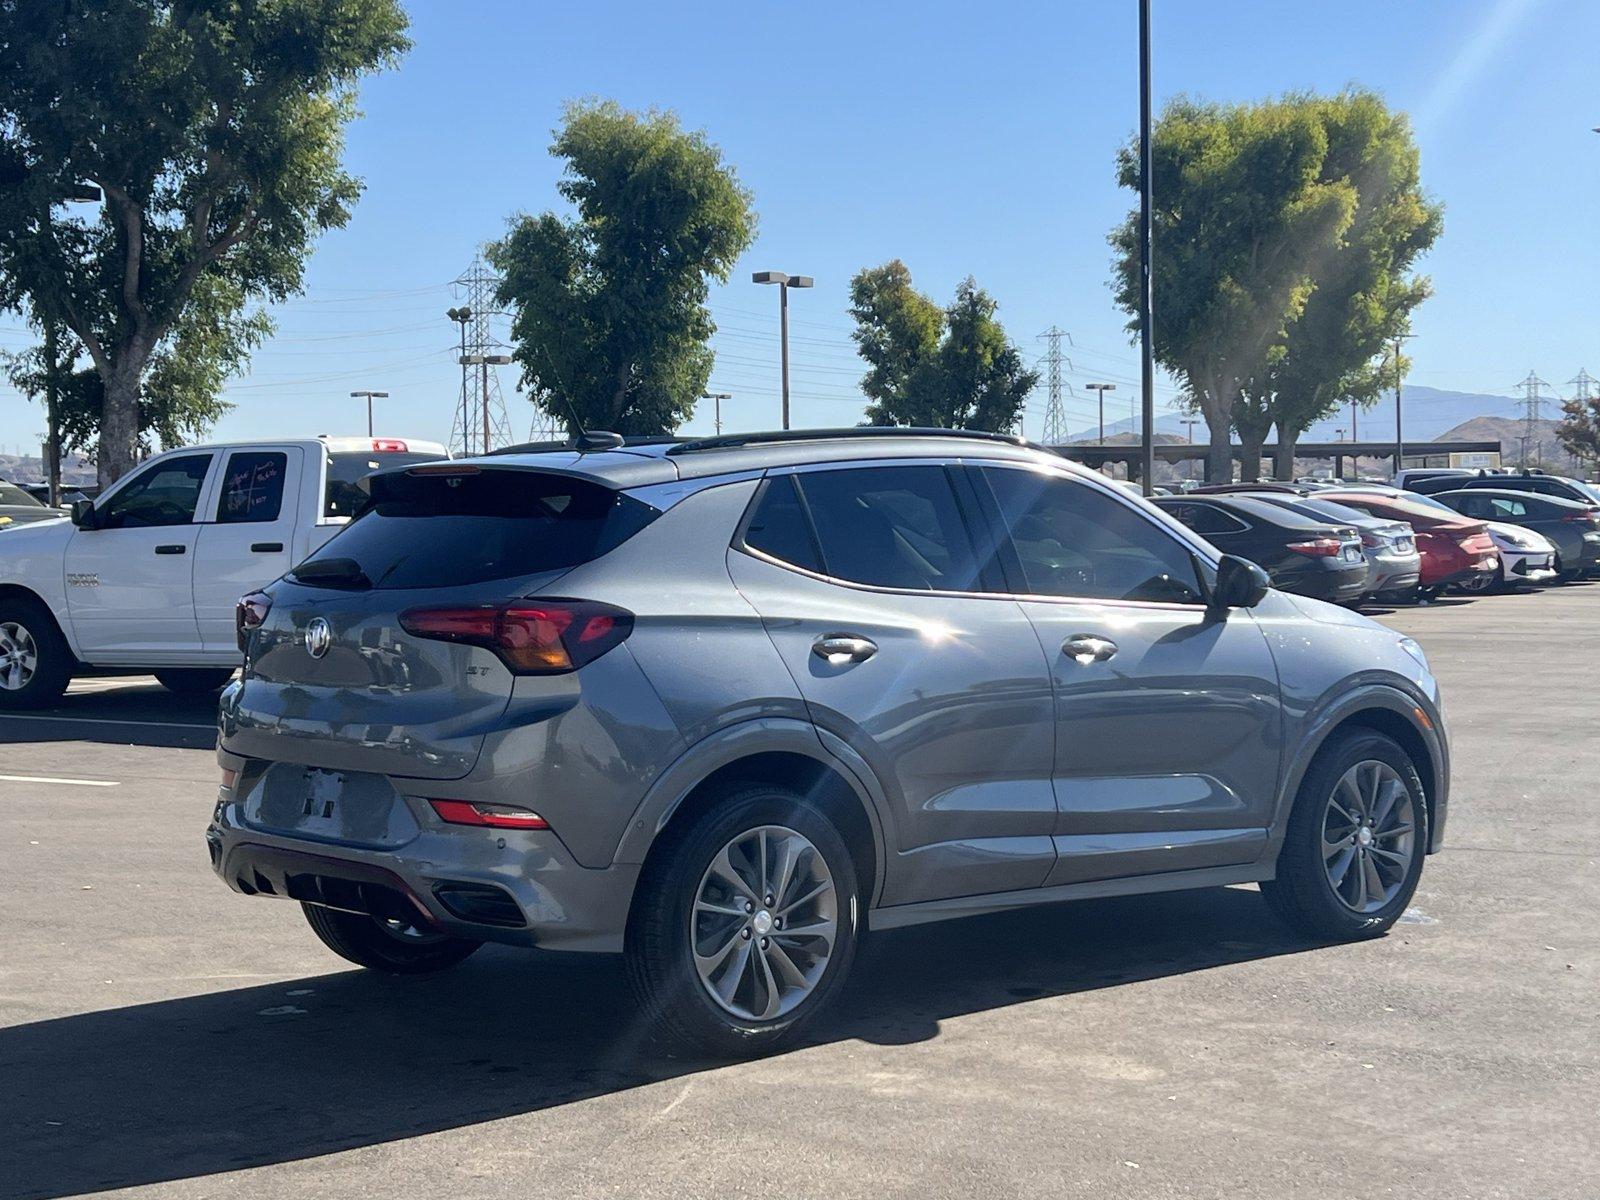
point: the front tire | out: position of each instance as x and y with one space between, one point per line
35 661
745 924
385 945
1353 852
194 681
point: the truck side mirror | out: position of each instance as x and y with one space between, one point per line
1240 584
82 513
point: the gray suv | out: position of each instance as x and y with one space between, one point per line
725 705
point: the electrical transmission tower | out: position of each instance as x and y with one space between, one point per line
1533 399
481 423
1583 385
1055 417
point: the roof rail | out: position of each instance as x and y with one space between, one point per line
778 436
567 445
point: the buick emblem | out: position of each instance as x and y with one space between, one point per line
318 637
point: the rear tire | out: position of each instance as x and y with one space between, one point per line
35 661
193 681
369 943
1372 839
774 941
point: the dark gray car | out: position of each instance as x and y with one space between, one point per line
724 706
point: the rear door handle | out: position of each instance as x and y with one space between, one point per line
265 547
1086 648
172 549
839 648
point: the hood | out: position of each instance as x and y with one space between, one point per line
33 535
1517 534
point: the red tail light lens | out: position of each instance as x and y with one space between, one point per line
249 613
544 637
495 816
392 445
1324 547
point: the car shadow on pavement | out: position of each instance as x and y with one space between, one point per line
111 711
248 1077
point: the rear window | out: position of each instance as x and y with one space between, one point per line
420 531
343 496
10 493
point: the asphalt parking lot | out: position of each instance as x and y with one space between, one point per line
159 1033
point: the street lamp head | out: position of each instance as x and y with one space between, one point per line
1101 387
462 314
801 281
769 277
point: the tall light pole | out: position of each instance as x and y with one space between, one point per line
1147 366
717 398
461 316
370 397
784 282
1399 429
1102 388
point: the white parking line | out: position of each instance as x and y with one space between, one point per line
104 721
53 779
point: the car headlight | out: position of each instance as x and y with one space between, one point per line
1412 647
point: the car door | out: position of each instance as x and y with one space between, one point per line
1168 717
130 578
868 581
248 537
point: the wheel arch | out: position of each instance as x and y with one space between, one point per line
18 591
1392 713
776 751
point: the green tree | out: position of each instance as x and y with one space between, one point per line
214 132
1578 431
952 368
1241 212
610 317
1363 294
179 397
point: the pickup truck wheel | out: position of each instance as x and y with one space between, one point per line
1352 854
194 681
744 925
35 660
385 945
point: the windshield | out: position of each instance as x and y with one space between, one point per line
10 493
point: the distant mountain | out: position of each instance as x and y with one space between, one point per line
75 469
1545 451
1428 412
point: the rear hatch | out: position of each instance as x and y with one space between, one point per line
370 656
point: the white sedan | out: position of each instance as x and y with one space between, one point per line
1525 556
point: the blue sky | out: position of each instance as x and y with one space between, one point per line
963 138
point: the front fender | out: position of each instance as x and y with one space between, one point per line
1391 694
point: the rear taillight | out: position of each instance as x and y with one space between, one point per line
1375 541
1588 517
495 816
1477 543
544 637
249 613
1323 547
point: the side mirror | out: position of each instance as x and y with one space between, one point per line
1240 584
82 513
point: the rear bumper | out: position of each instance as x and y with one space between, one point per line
1338 584
520 887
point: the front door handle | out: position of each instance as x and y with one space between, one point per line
178 548
1086 648
266 547
840 648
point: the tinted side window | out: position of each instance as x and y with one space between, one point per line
1075 541
1473 506
252 487
894 527
164 494
1204 519
779 526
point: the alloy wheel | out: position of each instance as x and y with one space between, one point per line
764 922
1369 836
19 656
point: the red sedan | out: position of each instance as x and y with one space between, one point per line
1454 549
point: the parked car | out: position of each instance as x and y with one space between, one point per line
1455 550
1558 486
18 508
1307 555
146 575
1573 527
1394 564
726 705
1404 480
1525 557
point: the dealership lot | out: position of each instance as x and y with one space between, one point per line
159 1032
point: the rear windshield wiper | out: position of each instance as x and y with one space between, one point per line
331 572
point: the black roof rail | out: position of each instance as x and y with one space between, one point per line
732 441
569 444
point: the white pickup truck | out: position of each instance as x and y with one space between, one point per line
145 577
